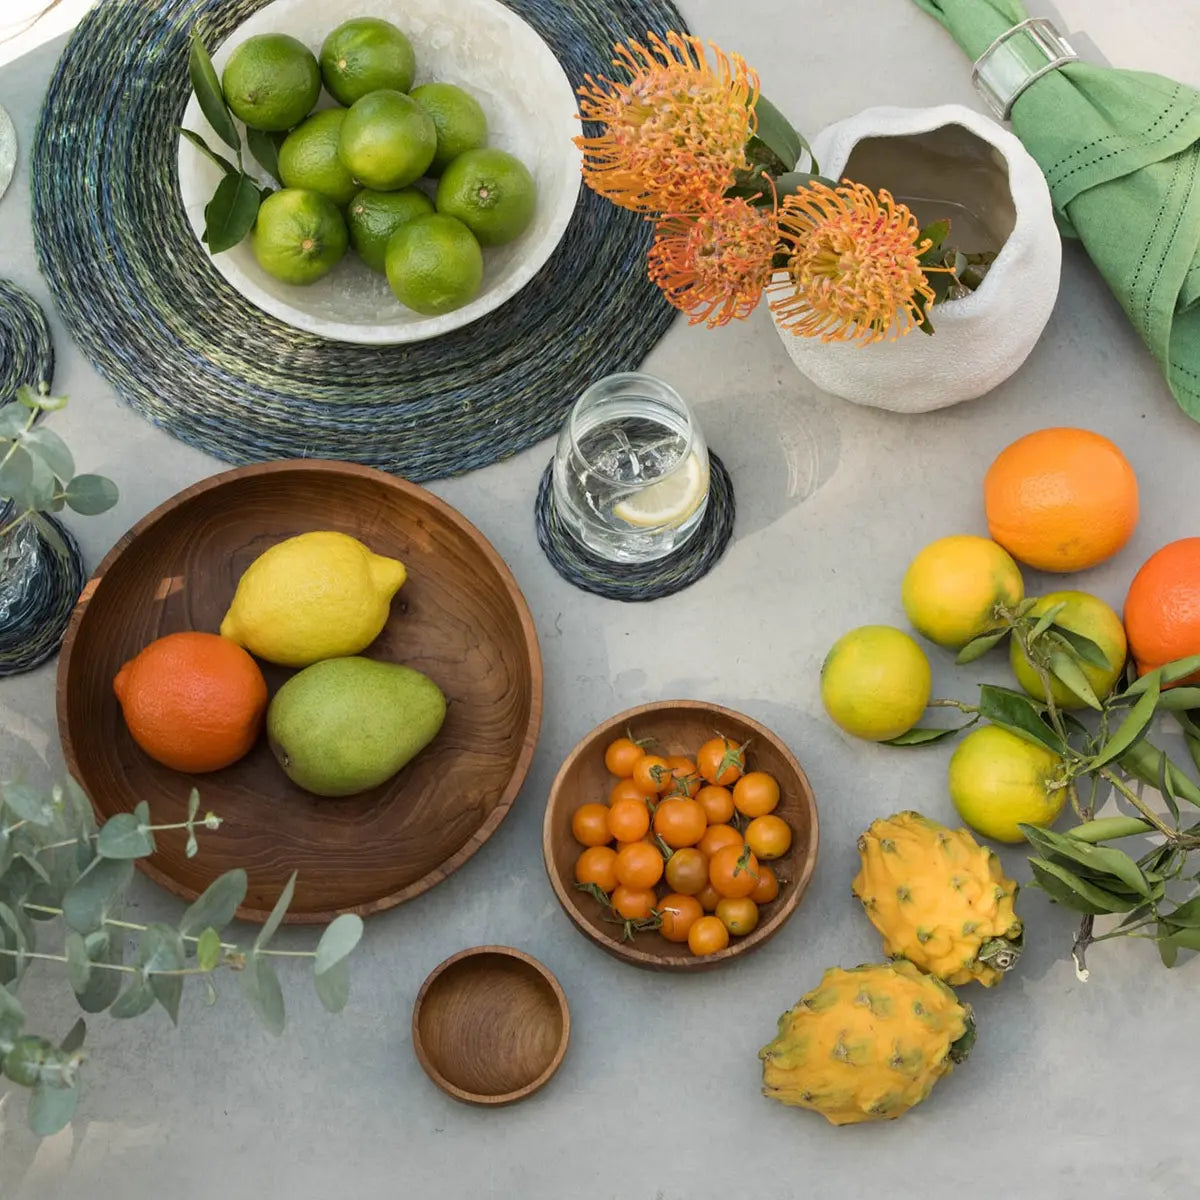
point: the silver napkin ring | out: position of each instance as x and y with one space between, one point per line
1015 59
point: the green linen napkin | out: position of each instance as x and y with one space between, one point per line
1121 153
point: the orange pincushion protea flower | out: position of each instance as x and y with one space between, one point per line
714 265
853 265
675 135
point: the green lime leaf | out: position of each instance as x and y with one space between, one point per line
265 148
136 999
51 449
1130 731
1107 829
1045 621
978 647
1064 668
74 1038
338 940
79 964
1019 714
207 87
272 923
51 1108
918 736
124 836
87 904
1071 891
1102 860
91 494
1085 649
333 986
208 152
231 212
217 904
260 984
208 950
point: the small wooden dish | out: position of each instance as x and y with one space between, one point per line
460 618
490 1025
677 727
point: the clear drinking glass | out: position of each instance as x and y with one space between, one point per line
631 469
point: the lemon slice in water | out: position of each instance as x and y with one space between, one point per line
668 502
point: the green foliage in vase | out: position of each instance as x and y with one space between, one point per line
57 868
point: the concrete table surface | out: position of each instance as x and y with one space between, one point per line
1074 1090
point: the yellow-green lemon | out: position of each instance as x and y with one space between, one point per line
1086 615
875 682
319 595
952 588
998 780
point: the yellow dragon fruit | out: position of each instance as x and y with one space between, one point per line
867 1044
940 899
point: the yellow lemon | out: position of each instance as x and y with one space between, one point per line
952 588
319 595
998 780
1087 615
875 682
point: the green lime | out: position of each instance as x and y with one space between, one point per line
271 81
490 192
460 122
387 141
364 55
434 264
374 216
300 235
309 158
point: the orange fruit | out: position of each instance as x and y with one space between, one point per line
1061 499
1162 609
192 701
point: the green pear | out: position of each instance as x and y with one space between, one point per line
346 724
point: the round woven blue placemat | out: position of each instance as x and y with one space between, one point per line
26 351
138 293
638 581
35 625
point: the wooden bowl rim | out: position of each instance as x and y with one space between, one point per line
520 1093
319 466
643 958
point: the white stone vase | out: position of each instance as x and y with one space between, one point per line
945 161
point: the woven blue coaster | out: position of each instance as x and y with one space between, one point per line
26 351
142 299
33 628
635 582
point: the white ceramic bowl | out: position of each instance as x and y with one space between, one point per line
478 44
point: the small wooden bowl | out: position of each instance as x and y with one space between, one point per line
490 1025
677 727
460 618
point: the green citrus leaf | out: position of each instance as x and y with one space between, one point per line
1019 714
924 737
1168 948
1107 829
1085 649
1069 672
208 91
231 212
1181 668
1147 762
1071 891
1179 698
978 647
1101 860
208 152
1130 731
265 149
1045 621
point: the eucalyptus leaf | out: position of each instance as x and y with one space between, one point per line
217 903
16 477
208 950
1130 731
333 986
265 149
13 419
103 985
79 965
338 940
209 95
161 950
28 804
74 1038
12 1015
136 999
49 534
1069 890
88 902
193 804
1068 671
978 647
124 836
1018 714
918 736
231 212
91 494
260 984
51 449
1103 859
34 866
51 1108
219 159
272 923
43 487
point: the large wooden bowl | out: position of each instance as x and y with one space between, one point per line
676 727
460 618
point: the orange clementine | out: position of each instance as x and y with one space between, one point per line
1162 609
192 701
1061 499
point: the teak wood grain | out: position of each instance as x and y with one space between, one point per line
460 618
676 727
490 1025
